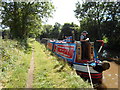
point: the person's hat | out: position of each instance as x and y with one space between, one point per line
85 32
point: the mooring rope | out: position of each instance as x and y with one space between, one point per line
89 75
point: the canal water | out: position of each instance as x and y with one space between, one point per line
111 76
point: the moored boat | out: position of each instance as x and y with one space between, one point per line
88 67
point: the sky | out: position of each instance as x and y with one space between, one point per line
64 12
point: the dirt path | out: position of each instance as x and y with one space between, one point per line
30 72
1 86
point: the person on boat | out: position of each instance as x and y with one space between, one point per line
84 43
65 39
83 36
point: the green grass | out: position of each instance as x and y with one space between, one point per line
14 64
51 72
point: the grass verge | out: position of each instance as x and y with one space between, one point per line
49 72
14 64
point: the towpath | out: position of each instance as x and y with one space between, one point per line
30 72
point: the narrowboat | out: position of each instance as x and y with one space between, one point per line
89 67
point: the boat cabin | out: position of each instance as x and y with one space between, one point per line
84 56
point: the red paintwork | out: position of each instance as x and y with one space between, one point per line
65 51
50 46
93 75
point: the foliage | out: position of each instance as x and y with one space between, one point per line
14 63
56 30
47 29
25 18
90 26
100 19
50 31
67 29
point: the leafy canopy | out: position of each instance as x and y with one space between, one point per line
24 18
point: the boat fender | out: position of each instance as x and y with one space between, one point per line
98 68
105 65
102 67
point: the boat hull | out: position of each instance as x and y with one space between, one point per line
82 70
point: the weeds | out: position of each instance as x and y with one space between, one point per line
14 63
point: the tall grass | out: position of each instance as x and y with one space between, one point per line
14 63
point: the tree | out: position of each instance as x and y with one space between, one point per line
98 12
25 18
50 31
90 26
67 29
101 19
46 32
56 31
